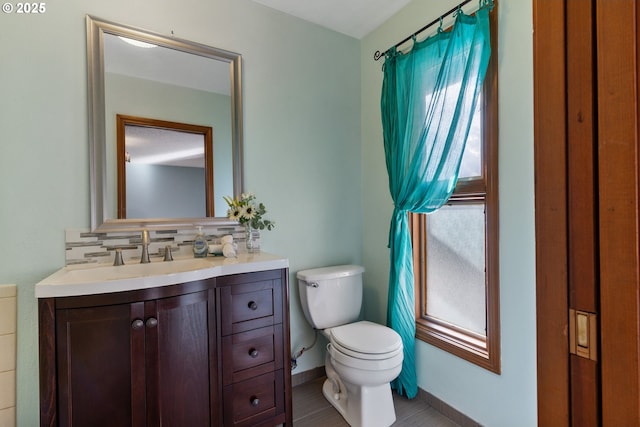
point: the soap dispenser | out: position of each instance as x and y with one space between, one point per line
200 245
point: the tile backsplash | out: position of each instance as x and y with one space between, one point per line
84 246
8 312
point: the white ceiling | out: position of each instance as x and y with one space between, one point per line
355 18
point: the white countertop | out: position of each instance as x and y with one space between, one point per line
91 279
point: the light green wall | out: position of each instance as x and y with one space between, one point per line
493 400
302 141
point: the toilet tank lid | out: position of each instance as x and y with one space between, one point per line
327 273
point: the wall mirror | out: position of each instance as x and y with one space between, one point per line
166 82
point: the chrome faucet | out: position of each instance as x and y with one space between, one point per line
144 259
117 258
167 253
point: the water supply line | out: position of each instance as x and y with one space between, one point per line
296 355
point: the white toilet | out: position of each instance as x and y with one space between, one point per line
362 357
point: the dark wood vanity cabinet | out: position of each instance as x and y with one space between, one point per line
253 361
137 362
207 353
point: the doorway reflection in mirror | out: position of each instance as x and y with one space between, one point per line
165 169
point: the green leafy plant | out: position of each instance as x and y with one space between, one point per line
247 211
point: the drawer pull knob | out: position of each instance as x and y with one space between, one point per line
137 324
255 401
152 322
253 353
252 305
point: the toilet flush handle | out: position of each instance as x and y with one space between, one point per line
312 284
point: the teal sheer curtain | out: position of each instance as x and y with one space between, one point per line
428 100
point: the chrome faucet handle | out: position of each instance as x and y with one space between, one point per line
167 253
144 258
117 258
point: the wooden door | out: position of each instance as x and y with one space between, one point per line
94 352
582 240
586 157
180 332
618 127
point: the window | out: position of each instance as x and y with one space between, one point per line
456 248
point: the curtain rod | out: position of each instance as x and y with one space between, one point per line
379 55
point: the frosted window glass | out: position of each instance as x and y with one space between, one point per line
456 266
471 165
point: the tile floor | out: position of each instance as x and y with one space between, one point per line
311 409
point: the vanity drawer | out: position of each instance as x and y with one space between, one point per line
251 353
248 402
250 306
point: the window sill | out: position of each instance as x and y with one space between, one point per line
465 344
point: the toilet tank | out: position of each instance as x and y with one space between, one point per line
331 296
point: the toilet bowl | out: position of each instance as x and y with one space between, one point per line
362 357
359 372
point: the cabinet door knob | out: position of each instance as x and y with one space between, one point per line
252 305
253 352
137 324
152 322
255 401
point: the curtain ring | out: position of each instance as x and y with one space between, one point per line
440 26
486 3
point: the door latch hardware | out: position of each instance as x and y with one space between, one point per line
583 334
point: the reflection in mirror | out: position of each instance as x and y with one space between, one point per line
165 169
170 80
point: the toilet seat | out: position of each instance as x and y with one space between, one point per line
390 362
366 341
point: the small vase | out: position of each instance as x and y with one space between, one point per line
252 239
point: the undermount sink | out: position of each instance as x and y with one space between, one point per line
128 271
87 280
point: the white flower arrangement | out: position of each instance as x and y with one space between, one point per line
247 211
